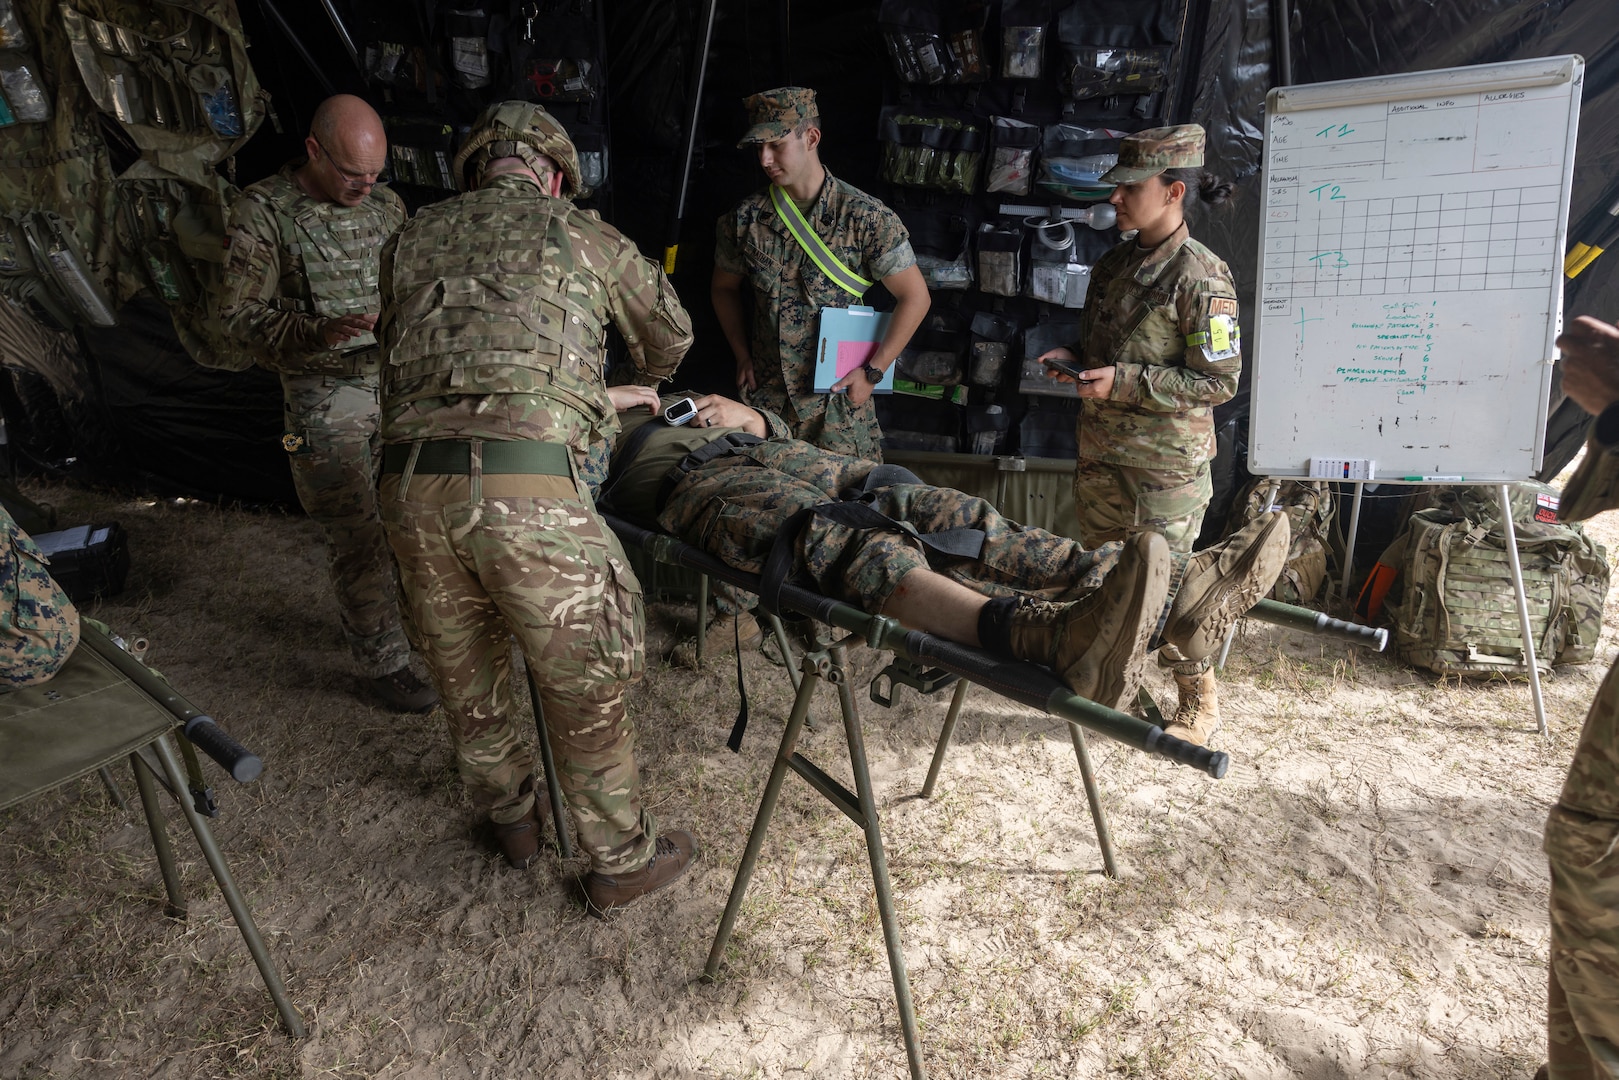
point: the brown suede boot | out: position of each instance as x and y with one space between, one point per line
670 856
1097 644
1223 582
520 840
723 632
1197 716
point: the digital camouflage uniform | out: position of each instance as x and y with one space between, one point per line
734 506
495 313
294 262
1144 452
39 626
789 291
1582 845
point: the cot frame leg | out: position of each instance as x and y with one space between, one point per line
1093 793
112 787
553 785
233 897
155 821
860 806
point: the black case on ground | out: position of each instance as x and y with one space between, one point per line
88 561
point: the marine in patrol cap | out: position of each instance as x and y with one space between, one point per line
1148 153
775 114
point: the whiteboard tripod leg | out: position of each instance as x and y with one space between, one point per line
1523 611
1349 542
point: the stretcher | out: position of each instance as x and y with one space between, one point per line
102 706
927 663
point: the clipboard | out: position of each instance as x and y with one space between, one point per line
849 337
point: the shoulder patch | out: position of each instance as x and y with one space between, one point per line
1222 305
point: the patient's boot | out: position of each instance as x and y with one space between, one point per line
1223 582
1096 643
1197 714
724 632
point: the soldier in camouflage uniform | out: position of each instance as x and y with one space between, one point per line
775 349
301 293
39 627
730 482
1159 339
495 312
1582 832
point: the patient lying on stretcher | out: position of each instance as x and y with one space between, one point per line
734 484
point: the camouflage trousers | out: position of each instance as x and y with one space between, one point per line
1113 501
331 437
825 420
733 507
1582 1021
532 561
39 627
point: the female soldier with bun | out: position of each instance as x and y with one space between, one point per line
1159 347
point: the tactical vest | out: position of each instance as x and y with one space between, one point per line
339 249
489 290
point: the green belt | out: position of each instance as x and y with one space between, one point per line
454 457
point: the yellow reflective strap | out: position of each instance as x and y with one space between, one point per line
814 246
1196 339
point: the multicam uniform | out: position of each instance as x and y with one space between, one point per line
295 262
733 507
1582 845
39 626
1144 452
495 312
789 292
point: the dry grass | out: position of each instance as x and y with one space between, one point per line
1363 894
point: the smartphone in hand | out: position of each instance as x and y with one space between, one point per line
1069 368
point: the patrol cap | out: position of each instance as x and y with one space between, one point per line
1148 153
775 114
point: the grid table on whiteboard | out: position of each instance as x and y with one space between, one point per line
1498 238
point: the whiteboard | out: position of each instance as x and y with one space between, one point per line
1411 239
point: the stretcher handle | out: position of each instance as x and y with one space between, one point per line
1314 622
1201 758
203 730
206 734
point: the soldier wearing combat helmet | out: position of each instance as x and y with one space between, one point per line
789 284
1159 340
301 295
494 323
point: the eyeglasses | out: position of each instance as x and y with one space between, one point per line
354 183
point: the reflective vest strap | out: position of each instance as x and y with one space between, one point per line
814 246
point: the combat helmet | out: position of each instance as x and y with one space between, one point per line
524 130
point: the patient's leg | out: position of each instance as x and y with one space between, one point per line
924 600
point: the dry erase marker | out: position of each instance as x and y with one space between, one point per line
1434 479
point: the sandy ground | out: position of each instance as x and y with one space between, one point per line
1362 895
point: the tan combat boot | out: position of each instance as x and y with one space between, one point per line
520 840
1097 644
672 852
723 633
1223 582
1197 716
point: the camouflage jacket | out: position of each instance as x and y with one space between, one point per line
495 307
1592 786
39 626
788 289
638 481
1141 308
293 262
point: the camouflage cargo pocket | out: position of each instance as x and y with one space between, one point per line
621 629
39 626
1171 504
1577 841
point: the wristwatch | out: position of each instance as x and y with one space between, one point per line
873 373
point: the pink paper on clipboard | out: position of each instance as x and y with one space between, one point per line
848 338
851 354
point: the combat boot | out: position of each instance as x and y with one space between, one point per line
402 691
1197 715
725 633
1223 582
670 856
1097 644
520 840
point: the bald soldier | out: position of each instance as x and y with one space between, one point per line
301 294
